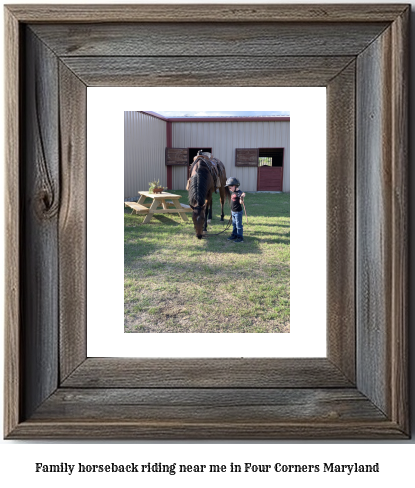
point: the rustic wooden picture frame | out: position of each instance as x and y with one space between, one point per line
360 53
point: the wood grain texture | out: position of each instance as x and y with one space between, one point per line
341 237
246 157
207 13
206 373
199 38
72 222
373 223
219 398
188 430
200 405
13 383
176 156
378 216
382 223
400 247
40 204
222 71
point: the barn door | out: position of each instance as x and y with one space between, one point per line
269 178
270 169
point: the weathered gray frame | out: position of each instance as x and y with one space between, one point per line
359 52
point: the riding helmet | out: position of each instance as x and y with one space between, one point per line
232 182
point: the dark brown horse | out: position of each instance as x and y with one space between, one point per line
206 175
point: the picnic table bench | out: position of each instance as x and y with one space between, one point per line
169 203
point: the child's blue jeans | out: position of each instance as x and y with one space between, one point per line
238 229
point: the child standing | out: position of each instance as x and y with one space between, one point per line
237 199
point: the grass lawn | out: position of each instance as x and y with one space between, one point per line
174 282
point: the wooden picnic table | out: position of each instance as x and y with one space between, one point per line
169 203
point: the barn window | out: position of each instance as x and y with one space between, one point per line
260 157
271 157
246 157
177 156
264 161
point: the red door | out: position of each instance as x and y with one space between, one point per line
270 178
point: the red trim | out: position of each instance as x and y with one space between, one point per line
269 148
282 171
257 178
169 143
217 119
169 170
228 119
169 134
155 115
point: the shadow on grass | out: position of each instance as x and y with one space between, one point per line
139 244
141 240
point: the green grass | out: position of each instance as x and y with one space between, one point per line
174 282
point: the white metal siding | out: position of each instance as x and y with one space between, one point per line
145 142
224 137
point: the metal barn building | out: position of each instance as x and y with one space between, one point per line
256 150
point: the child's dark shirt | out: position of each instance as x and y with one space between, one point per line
235 205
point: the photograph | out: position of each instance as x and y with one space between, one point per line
207 222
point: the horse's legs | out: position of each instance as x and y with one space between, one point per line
206 214
210 212
209 200
222 201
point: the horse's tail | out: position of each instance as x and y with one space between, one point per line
227 193
223 181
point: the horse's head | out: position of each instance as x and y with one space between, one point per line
198 217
